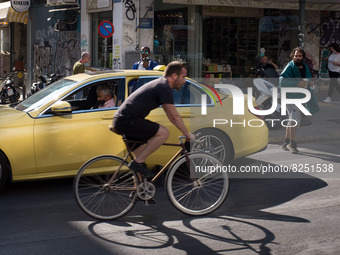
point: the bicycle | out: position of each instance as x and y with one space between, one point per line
106 189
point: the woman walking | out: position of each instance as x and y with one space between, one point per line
333 70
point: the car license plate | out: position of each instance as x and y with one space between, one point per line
10 92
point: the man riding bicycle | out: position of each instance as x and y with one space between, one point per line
130 117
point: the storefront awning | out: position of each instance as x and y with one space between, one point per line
318 5
8 14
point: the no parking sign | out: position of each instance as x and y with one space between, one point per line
105 29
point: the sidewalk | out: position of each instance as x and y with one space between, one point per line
325 124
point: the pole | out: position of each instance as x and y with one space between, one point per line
105 54
301 34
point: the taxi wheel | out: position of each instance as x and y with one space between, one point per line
4 171
215 142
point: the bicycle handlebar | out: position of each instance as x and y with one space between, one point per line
182 139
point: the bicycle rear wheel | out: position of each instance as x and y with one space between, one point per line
100 195
197 187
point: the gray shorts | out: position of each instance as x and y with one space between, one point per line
294 114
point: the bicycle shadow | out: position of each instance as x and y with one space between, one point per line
222 235
162 226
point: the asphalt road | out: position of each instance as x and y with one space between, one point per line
264 214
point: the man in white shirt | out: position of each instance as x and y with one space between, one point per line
145 63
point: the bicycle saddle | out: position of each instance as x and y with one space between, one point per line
114 130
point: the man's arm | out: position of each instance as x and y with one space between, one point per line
177 120
288 79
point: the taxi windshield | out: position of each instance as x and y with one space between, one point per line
46 95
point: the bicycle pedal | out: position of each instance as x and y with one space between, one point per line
132 194
149 202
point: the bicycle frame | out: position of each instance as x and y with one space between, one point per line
182 150
107 200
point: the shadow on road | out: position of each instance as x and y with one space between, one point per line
196 238
51 205
156 226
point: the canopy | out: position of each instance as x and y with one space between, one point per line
8 14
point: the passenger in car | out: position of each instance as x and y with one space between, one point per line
105 97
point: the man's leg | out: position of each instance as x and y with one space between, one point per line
294 115
292 132
287 140
287 136
152 145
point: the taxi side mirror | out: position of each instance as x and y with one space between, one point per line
61 107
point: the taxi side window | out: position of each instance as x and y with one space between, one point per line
137 83
85 98
190 94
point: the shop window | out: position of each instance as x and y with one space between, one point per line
230 42
171 35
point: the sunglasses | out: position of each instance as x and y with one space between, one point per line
146 52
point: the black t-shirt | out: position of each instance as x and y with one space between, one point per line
148 97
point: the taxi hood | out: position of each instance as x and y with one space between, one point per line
7 113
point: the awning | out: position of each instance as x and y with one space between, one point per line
8 14
317 5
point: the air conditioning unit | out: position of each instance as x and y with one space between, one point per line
65 2
61 2
51 2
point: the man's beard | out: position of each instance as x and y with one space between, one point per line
298 62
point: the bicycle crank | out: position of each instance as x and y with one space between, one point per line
146 190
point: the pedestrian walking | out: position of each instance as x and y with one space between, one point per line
333 67
296 74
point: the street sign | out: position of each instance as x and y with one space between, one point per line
20 6
20 75
106 29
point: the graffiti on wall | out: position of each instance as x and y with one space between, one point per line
330 32
84 42
130 9
55 52
311 41
127 38
42 59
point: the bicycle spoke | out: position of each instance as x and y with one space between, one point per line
98 194
197 196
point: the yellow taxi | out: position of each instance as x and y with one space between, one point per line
53 132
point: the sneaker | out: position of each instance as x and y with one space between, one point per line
328 100
150 202
284 147
292 147
141 168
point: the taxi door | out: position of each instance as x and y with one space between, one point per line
65 142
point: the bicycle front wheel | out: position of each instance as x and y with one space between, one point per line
197 186
105 188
